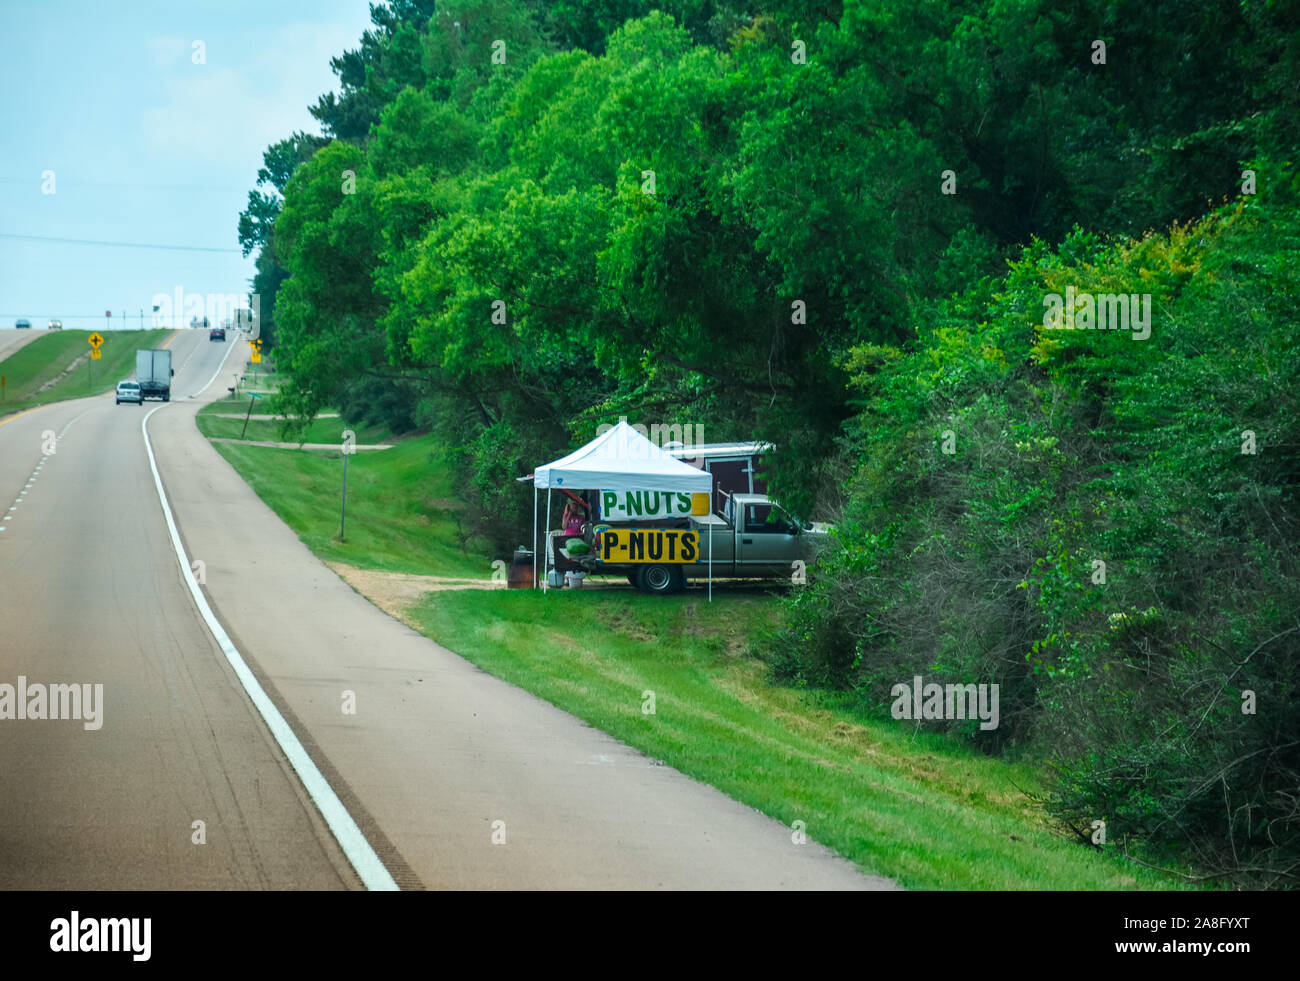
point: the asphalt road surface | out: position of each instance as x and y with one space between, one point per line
90 593
455 779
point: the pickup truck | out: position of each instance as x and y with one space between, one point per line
153 370
754 538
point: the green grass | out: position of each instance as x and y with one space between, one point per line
901 803
400 514
260 378
266 405
910 805
47 357
319 431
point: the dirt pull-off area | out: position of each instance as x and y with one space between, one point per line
396 592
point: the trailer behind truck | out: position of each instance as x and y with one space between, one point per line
153 370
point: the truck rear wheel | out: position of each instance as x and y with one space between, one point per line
660 580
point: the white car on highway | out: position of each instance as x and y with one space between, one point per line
129 392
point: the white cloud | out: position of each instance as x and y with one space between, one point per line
245 97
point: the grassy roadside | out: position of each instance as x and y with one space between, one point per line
211 422
401 512
266 405
47 358
900 802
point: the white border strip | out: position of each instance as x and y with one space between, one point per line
226 357
358 851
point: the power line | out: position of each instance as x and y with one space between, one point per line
117 315
117 245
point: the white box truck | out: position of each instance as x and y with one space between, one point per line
153 370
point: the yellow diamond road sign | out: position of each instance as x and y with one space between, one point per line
95 340
255 358
96 354
255 345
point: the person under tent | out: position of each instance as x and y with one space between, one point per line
573 524
574 518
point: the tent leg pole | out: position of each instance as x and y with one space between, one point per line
710 555
534 536
546 542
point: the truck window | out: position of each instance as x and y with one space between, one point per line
766 519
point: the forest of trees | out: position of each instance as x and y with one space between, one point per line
834 226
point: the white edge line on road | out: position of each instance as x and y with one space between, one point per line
367 864
221 367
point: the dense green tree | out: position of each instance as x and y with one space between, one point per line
389 58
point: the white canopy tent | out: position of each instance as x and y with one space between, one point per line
620 459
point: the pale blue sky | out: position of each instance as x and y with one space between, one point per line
146 146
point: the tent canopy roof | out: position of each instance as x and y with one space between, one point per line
622 459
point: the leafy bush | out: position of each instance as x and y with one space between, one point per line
1097 543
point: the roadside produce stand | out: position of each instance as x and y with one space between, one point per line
620 459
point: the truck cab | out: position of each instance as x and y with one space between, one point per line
754 537
767 537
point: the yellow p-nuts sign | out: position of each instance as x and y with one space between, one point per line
644 545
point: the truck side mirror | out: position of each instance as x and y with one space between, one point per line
173 373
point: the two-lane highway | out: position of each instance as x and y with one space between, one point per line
180 785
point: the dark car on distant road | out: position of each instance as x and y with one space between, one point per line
20 324
217 334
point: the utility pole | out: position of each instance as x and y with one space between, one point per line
349 447
343 517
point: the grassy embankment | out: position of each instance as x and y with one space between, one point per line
900 802
212 423
400 518
48 358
